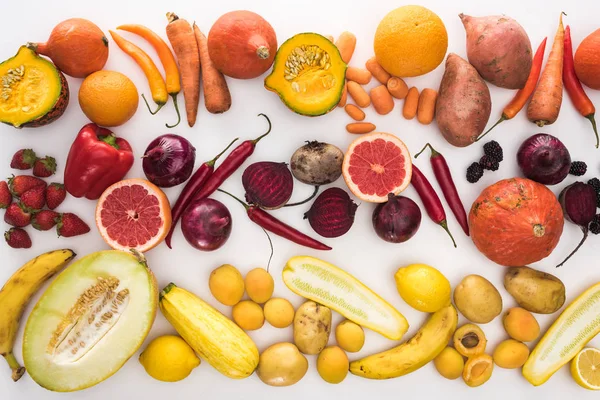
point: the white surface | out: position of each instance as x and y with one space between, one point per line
360 252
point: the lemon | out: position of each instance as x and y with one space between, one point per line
585 368
422 287
169 359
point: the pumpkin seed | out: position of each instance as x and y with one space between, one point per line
304 57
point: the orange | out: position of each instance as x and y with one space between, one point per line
108 98
133 214
587 60
410 41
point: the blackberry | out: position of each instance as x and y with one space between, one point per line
595 183
595 225
489 163
474 172
578 168
492 149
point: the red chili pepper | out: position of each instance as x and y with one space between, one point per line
96 160
444 178
192 186
272 224
580 100
430 200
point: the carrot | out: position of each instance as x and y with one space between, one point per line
183 41
358 75
397 87
358 94
344 97
354 112
426 106
217 98
360 127
166 58
377 70
155 79
346 44
547 98
382 100
411 103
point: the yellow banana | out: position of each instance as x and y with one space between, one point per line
15 296
411 355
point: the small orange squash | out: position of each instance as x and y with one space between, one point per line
516 222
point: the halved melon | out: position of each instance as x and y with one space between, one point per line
308 74
92 318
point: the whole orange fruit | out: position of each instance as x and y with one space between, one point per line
410 41
587 60
108 98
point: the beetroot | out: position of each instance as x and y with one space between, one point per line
332 213
268 184
397 220
544 158
206 224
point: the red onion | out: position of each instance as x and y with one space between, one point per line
332 213
544 158
206 224
397 220
268 184
169 160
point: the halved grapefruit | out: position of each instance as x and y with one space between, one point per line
375 165
133 214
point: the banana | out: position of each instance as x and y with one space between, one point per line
15 296
411 355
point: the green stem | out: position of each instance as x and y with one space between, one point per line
17 370
241 202
444 224
148 106
174 96
305 200
593 121
110 140
434 153
212 162
264 134
166 290
502 118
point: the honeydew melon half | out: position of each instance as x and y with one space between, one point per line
90 321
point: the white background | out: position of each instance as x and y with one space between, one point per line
360 252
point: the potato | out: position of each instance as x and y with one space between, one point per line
317 163
535 291
463 105
312 325
499 49
281 365
477 299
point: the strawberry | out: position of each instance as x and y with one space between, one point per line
21 183
45 220
55 194
17 238
23 159
44 167
69 225
34 198
5 195
17 216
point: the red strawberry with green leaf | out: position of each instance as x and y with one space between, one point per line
45 220
55 194
44 167
17 238
69 225
21 183
23 159
5 195
17 215
34 199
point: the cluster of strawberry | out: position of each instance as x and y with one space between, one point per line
29 200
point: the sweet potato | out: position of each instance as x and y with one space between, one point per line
499 49
463 105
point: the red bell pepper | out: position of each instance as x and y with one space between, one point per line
97 159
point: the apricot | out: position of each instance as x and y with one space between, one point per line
478 370
248 315
521 325
469 340
279 312
259 285
226 284
350 336
511 354
333 364
449 363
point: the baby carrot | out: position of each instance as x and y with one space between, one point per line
155 79
217 98
382 100
547 98
397 87
377 70
344 97
346 44
411 103
426 106
360 127
166 58
358 94
354 112
183 41
358 75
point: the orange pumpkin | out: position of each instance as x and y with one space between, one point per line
516 222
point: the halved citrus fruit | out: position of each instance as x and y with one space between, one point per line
133 214
585 368
375 165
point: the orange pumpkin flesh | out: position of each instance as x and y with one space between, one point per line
516 222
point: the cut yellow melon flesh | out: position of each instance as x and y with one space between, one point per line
90 321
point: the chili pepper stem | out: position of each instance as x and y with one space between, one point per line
433 151
212 162
174 96
298 203
266 133
502 119
593 121
585 235
444 224
239 201
148 106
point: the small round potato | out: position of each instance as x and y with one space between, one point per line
281 365
477 299
312 325
317 163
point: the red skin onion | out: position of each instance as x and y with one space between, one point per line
397 220
206 224
332 213
169 160
268 184
544 158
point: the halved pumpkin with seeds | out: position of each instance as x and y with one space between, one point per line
90 321
308 74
